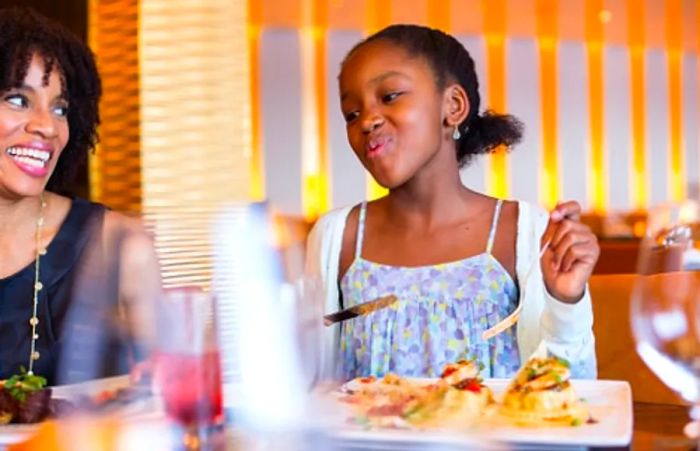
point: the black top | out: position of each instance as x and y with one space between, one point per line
58 271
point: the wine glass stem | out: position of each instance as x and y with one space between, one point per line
191 440
692 429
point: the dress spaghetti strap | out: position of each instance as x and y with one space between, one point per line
360 229
494 226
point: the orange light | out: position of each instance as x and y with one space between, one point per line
674 42
439 14
378 13
315 189
498 174
547 22
257 162
639 188
597 181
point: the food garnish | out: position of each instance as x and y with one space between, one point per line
20 385
24 399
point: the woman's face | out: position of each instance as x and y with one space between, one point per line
393 111
33 132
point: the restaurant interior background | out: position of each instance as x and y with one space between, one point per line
218 101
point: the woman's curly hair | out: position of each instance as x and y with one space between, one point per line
24 33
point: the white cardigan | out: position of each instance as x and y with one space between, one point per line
565 329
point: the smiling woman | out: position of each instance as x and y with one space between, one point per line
49 93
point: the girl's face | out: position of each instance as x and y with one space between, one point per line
33 132
393 111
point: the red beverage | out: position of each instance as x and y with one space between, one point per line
191 386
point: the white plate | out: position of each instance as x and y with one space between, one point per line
15 433
610 404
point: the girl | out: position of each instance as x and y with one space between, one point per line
458 261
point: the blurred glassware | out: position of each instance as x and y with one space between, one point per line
259 310
187 364
665 308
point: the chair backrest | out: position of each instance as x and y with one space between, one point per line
615 346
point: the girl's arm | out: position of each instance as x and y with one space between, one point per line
566 328
567 264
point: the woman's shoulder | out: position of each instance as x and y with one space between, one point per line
120 227
116 220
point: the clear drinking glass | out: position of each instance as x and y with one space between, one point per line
665 307
187 364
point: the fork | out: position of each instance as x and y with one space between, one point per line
511 319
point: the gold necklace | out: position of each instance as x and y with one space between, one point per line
33 321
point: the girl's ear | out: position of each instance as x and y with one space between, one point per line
456 105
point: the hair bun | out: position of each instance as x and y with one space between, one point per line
486 132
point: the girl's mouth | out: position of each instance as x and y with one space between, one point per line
376 146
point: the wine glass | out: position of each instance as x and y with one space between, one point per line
187 364
665 308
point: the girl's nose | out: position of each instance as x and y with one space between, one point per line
372 122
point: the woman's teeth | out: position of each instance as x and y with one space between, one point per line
34 157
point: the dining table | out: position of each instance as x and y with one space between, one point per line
656 426
659 427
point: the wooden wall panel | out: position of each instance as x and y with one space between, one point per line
115 168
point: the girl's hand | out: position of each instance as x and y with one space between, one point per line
573 252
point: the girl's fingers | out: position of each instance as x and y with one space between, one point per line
579 240
566 210
566 228
585 253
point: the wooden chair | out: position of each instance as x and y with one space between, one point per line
615 345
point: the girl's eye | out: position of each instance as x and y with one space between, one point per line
17 100
351 116
390 97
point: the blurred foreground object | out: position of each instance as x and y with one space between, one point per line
187 366
270 321
665 307
111 322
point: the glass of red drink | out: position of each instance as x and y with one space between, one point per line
187 363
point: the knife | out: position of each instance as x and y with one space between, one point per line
360 309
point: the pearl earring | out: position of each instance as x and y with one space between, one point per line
456 134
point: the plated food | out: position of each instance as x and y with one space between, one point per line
457 397
24 398
539 395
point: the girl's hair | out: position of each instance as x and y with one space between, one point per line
450 62
24 33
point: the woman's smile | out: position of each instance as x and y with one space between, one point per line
31 158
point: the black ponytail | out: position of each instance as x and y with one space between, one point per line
451 63
485 133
